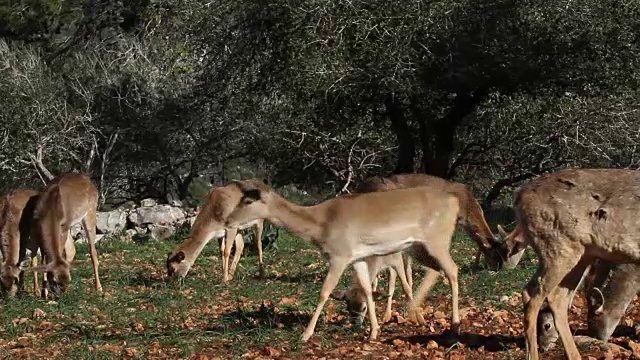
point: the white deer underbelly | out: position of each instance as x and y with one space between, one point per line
382 248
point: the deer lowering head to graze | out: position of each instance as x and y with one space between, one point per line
606 303
67 200
348 229
209 224
471 216
570 218
16 212
398 264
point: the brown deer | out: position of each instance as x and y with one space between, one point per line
210 223
471 216
348 229
67 200
398 264
606 305
570 218
16 212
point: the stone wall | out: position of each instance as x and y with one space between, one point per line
157 221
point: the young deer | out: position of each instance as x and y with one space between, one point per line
348 229
605 307
569 218
471 216
210 223
67 200
398 264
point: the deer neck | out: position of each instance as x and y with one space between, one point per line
478 229
50 239
303 221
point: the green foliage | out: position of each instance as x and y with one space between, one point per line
150 95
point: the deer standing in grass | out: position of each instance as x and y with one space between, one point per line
348 229
470 216
210 223
570 218
67 200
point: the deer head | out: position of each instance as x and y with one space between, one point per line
356 302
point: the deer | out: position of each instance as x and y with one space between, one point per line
67 200
398 264
210 223
16 212
471 217
606 304
569 218
348 229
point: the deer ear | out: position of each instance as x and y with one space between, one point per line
339 294
596 300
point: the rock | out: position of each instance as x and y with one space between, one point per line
148 202
76 231
175 203
111 221
129 234
161 232
157 215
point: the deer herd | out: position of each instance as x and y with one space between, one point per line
582 224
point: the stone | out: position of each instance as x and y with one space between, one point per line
111 221
161 232
148 202
157 215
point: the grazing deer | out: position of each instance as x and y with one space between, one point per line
570 218
210 223
16 212
605 307
348 229
471 216
398 263
67 200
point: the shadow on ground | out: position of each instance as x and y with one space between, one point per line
491 343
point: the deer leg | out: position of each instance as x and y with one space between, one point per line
408 271
362 271
45 280
427 283
69 248
392 289
34 263
236 257
551 270
406 287
89 225
451 272
229 238
559 301
258 231
336 268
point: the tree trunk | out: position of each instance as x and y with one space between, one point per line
436 159
404 138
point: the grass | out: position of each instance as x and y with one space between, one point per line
142 315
